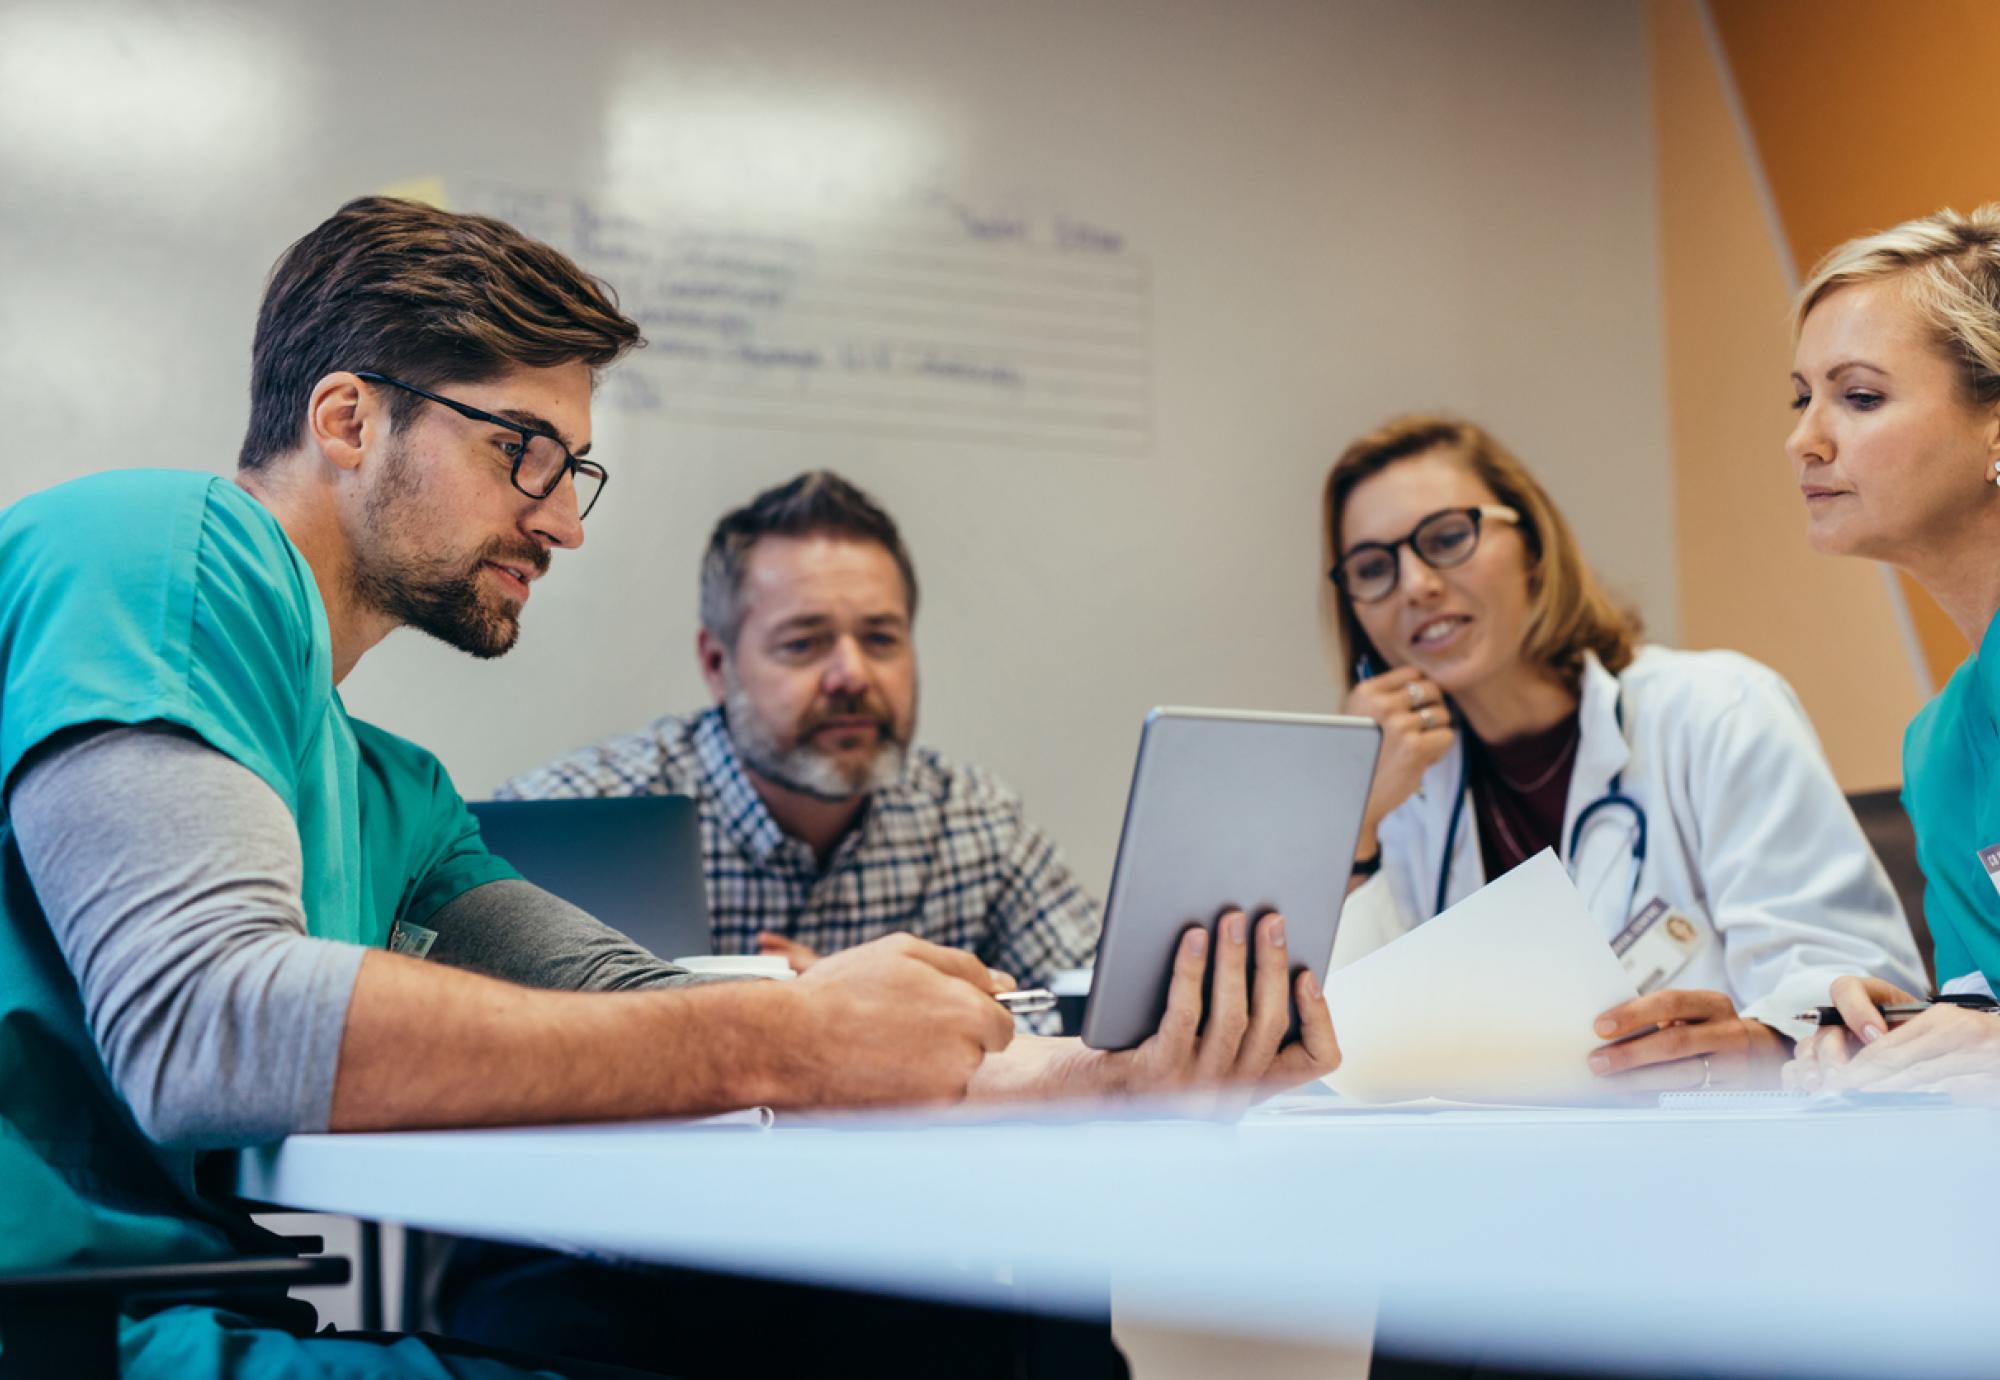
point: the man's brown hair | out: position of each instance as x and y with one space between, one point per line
1568 611
427 296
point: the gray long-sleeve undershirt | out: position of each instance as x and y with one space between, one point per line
171 878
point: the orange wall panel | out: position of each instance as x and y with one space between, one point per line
1747 578
1866 113
1863 115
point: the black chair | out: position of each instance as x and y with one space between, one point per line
66 1322
1894 840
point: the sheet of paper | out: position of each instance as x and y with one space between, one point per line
739 965
1492 1001
1346 1106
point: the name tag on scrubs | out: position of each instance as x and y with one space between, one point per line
1990 858
1657 944
413 940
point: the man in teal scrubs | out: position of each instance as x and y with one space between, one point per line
229 913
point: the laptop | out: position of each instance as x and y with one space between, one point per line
633 862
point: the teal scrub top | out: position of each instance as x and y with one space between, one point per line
1951 788
156 595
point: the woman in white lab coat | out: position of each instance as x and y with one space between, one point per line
1685 791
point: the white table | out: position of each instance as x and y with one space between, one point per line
1856 1243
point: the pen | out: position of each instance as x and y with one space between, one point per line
1828 1017
1030 1002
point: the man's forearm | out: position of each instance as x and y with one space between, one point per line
426 1045
1035 1067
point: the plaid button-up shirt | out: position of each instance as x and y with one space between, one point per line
943 854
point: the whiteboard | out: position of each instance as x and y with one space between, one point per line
1158 262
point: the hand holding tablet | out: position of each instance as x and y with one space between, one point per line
1250 816
1247 1031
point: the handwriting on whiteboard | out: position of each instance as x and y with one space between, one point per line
947 322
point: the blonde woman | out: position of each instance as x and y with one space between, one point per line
1685 791
1896 378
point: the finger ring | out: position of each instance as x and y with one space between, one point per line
1424 716
1416 695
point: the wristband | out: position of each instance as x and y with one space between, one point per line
1368 866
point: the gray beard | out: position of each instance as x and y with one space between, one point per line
803 767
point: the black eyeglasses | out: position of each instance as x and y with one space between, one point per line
1368 573
540 460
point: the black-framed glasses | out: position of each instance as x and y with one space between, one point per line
1368 572
540 460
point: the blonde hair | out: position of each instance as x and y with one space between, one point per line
1949 268
1568 611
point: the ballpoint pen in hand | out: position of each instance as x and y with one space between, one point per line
1030 1001
1829 1018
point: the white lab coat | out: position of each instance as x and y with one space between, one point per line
1747 833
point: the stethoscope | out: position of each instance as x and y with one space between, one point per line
1614 798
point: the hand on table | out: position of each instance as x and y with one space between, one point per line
1701 1043
895 1020
1859 1001
800 956
1947 1049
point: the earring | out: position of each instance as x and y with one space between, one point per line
1996 471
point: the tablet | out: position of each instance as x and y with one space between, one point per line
1228 810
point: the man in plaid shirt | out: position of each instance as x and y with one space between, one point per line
822 827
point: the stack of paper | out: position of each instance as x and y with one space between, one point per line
1492 1001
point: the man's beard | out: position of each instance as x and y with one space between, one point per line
802 767
438 596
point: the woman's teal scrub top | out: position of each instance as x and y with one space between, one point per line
158 595
1951 788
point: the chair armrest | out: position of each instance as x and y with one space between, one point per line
190 1279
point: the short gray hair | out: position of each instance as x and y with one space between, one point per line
816 503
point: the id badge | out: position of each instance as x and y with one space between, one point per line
413 940
1989 858
1657 944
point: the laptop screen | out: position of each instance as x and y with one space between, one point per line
634 863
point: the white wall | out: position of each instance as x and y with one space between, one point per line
1341 210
